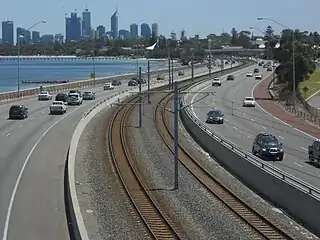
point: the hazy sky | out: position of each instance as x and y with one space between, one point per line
196 17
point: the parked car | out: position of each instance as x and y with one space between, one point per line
62 97
58 107
215 116
267 146
89 95
18 111
44 96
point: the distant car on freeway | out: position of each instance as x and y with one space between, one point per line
230 77
260 64
267 146
108 86
314 151
142 81
116 82
18 111
248 102
215 116
44 95
258 77
132 83
180 73
89 95
249 74
74 99
216 82
61 97
58 107
256 70
269 69
160 77
75 91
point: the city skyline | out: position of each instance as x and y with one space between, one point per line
201 18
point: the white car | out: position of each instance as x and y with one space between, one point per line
44 96
258 77
249 102
249 74
216 82
108 86
74 99
58 107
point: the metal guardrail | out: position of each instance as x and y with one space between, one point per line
30 92
267 167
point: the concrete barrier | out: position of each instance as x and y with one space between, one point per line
297 198
9 96
78 226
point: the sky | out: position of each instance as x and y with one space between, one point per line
195 17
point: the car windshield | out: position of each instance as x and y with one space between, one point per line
270 141
215 113
43 92
57 103
16 107
86 93
249 98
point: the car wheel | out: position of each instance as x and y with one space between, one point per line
221 122
280 157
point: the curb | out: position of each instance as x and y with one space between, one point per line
77 224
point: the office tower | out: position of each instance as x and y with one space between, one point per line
7 32
58 38
47 39
155 29
23 36
35 37
183 35
114 25
86 24
124 34
73 27
101 31
145 30
134 30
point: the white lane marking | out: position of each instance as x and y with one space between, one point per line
298 164
20 126
235 128
264 127
252 119
303 148
283 122
32 118
281 137
8 134
248 136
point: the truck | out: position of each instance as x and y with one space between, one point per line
58 107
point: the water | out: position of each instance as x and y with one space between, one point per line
72 70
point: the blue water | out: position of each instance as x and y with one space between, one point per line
37 70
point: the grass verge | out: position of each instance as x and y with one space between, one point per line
311 85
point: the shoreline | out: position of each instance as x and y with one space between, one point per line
71 57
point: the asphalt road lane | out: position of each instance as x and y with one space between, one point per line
38 206
243 124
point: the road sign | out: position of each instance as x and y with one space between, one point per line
92 75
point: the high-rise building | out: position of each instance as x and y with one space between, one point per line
134 30
35 37
7 32
101 31
115 25
183 35
23 36
73 27
145 30
124 34
47 38
58 38
155 29
86 24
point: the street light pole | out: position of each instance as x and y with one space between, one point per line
209 46
18 43
293 58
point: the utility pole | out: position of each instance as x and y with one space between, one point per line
176 136
192 67
209 46
169 63
140 99
171 73
149 82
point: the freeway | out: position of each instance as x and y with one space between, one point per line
32 162
243 124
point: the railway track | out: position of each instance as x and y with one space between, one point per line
258 222
159 226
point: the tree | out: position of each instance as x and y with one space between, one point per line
304 64
244 39
234 36
269 33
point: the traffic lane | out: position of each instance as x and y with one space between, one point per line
242 130
315 101
16 148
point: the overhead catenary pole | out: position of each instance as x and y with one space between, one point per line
171 73
176 136
140 99
169 63
149 82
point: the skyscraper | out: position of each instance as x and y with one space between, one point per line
145 30
73 27
134 30
155 29
114 25
86 24
23 36
7 32
101 31
35 37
